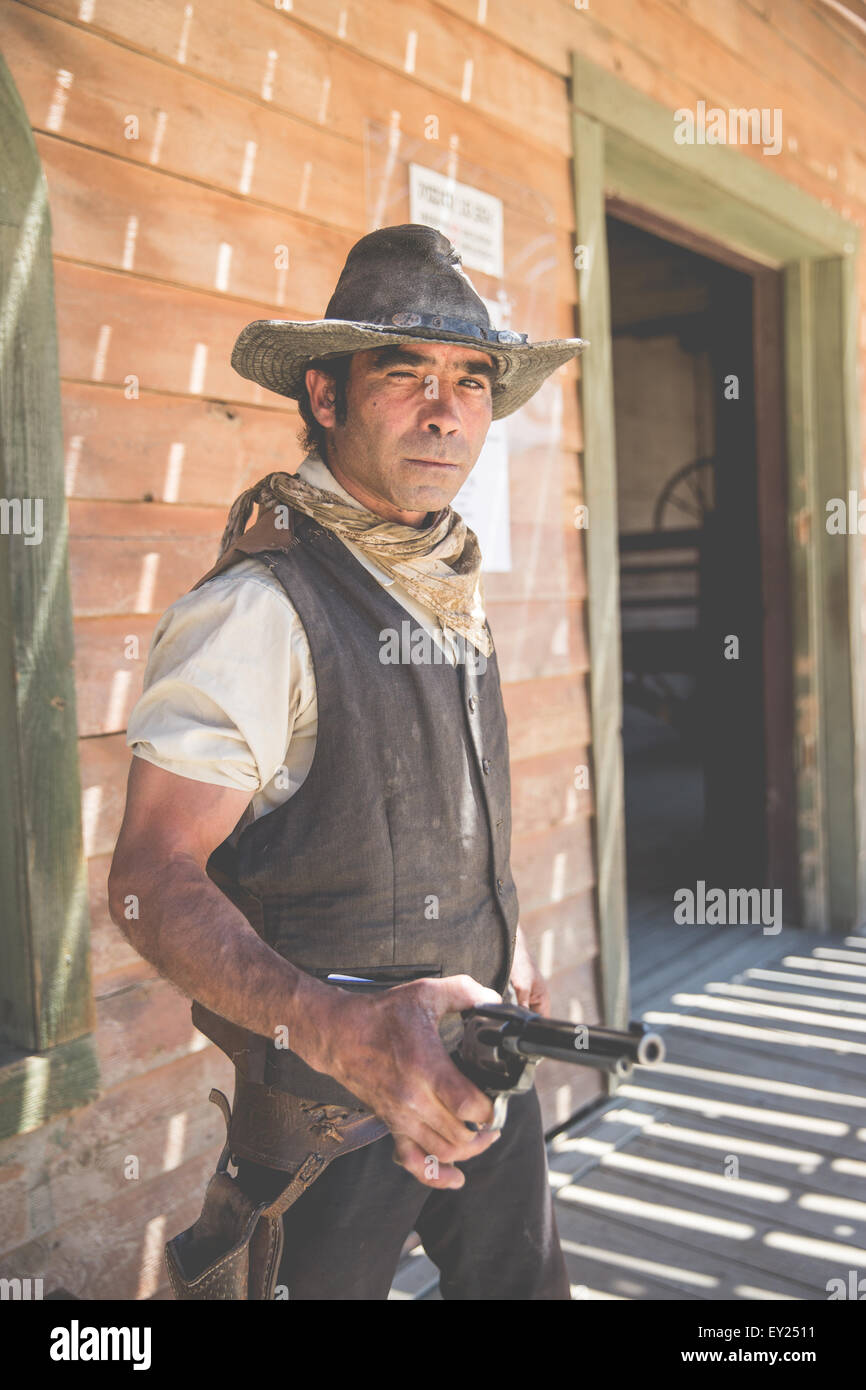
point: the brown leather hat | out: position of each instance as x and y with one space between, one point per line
400 284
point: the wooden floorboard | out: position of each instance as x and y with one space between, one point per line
812 1048
678 957
800 980
774 1155
739 1080
682 1267
599 1279
778 1083
701 1174
768 1242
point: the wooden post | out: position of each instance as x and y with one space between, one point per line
45 993
602 570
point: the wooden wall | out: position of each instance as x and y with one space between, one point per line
251 133
251 122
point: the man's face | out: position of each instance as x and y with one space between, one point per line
417 416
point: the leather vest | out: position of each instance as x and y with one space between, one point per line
392 859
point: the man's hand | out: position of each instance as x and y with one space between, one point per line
386 1050
527 982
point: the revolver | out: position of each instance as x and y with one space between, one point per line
503 1044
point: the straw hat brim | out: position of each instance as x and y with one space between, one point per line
276 352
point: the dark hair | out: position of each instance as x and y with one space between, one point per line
314 435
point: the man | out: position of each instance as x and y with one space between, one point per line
302 806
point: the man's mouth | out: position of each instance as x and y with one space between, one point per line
435 463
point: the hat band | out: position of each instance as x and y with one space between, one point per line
410 319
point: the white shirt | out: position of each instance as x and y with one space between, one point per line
229 689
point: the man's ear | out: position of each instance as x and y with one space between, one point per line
320 389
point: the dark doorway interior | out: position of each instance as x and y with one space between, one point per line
706 743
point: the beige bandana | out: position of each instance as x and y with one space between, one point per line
439 564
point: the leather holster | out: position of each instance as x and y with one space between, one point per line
233 1250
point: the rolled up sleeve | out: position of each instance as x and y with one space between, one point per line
229 677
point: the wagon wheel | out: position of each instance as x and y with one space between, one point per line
650 691
687 496
683 504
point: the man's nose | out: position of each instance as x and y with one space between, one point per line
440 414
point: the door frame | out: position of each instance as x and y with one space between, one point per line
625 155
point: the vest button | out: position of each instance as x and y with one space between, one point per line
485 766
500 887
473 701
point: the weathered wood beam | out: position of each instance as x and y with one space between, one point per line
45 994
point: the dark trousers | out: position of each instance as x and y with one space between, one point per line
495 1238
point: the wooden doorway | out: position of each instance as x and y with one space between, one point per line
625 157
704 577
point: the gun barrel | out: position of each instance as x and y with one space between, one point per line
612 1061
650 1050
604 1049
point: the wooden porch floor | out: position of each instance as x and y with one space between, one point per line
736 1169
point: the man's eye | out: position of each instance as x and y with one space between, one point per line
406 373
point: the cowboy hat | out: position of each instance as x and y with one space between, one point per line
399 284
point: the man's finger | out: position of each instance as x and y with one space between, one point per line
457 992
427 1168
439 1132
460 1097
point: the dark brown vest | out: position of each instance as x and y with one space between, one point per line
394 852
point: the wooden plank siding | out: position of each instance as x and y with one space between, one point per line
251 129
161 435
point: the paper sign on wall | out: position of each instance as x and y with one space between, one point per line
484 501
468 217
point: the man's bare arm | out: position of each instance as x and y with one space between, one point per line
384 1049
185 926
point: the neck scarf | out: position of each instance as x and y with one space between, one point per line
438 564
